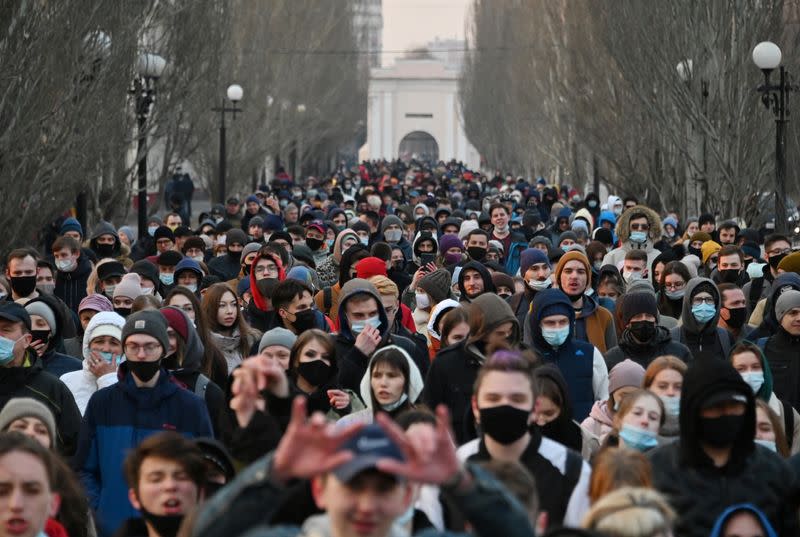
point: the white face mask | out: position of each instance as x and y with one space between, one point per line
539 285
66 265
392 235
422 300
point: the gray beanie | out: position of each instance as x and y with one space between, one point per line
149 322
436 284
44 311
250 247
24 407
788 300
277 336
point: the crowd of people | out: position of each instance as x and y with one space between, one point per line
402 349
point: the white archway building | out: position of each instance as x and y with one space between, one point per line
410 100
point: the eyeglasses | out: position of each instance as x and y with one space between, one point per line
132 349
674 286
696 301
779 252
640 227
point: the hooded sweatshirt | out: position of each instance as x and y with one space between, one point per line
84 383
728 514
580 362
452 374
623 231
328 270
769 323
705 340
488 284
54 362
388 220
352 362
105 228
698 490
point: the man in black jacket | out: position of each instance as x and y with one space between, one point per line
363 328
716 463
22 375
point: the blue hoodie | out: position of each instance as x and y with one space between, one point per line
608 216
723 519
575 358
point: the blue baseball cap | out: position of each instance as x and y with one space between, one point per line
11 311
369 446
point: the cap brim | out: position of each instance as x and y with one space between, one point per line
724 397
14 319
346 472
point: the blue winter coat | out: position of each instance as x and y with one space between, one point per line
117 419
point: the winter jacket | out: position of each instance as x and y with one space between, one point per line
71 286
698 490
55 362
246 506
83 383
33 381
225 267
617 255
352 362
564 497
595 324
328 270
705 341
782 352
644 353
758 288
117 419
580 363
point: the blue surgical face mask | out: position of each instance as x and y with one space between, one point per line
638 439
675 295
672 404
191 287
769 444
703 312
110 357
7 349
364 240
639 237
166 278
151 230
555 337
358 326
755 379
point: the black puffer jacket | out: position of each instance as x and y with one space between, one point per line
697 489
644 353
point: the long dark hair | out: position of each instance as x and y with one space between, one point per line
210 306
394 359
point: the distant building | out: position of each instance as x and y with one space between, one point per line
414 112
449 51
368 24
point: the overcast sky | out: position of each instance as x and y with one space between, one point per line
410 23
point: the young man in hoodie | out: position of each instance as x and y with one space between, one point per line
119 417
643 339
73 271
593 323
452 374
473 281
716 462
550 331
363 328
781 350
638 228
536 270
391 232
700 316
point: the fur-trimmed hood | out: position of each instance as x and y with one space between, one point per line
623 223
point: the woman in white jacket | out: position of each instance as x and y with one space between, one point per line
102 354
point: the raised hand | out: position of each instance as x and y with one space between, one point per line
311 446
431 460
368 340
98 366
256 374
338 399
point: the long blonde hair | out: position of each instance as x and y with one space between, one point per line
631 512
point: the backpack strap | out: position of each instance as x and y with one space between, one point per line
788 423
201 385
327 299
572 471
756 286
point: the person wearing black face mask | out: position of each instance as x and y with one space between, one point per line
503 405
730 267
313 373
776 247
105 241
293 303
163 503
643 339
733 313
47 323
142 401
715 462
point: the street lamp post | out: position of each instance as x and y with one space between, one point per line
767 57
301 111
234 94
149 68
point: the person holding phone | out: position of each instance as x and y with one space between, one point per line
425 248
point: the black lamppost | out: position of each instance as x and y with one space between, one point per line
234 95
767 56
149 69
